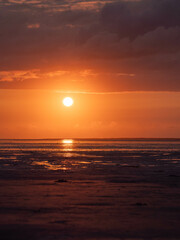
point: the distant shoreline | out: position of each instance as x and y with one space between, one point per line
91 139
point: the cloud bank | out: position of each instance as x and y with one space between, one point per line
90 45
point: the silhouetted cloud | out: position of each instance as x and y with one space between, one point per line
120 45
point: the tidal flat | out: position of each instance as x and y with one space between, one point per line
89 189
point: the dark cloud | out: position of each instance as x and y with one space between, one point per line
130 19
121 45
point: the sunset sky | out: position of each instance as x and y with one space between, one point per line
118 60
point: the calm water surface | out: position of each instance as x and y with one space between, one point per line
73 155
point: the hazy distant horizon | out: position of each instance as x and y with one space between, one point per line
89 139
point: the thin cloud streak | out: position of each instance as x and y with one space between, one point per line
116 93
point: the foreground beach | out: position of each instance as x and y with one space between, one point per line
89 190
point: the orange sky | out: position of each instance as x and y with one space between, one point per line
119 59
41 114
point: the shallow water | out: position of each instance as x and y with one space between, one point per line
88 154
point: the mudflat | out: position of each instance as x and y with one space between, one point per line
85 190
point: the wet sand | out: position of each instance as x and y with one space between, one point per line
115 201
82 207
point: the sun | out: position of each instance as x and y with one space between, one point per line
68 102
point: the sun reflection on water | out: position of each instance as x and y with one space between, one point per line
60 161
50 166
67 145
66 158
67 141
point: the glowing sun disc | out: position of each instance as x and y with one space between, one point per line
68 101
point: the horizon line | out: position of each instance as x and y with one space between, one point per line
99 138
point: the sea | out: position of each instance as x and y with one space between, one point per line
91 189
90 156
